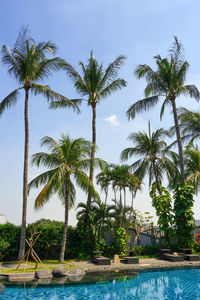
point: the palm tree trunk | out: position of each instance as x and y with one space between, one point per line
157 179
93 148
179 141
106 191
64 239
124 197
25 180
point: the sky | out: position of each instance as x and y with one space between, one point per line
139 29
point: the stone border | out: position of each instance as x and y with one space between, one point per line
115 267
141 267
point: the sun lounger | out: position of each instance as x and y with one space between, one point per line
101 260
185 250
162 252
129 259
191 257
172 257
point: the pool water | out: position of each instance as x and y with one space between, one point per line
179 284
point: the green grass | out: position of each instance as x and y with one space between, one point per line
21 270
55 262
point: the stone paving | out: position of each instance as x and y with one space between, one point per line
144 264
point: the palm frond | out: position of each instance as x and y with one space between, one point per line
51 95
9 101
142 105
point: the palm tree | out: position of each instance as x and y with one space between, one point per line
168 82
189 124
95 83
120 213
192 163
104 180
67 161
28 63
154 155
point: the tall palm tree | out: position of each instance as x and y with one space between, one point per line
154 155
67 161
168 82
95 83
28 63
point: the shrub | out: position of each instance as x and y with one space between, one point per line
146 249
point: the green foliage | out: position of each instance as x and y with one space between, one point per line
49 243
120 240
146 249
184 221
162 204
3 246
9 234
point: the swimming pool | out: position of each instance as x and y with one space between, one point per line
178 284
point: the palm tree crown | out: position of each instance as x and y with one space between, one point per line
67 161
154 155
167 82
192 163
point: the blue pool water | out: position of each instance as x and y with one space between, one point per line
180 284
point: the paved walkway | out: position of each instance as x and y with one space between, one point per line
144 264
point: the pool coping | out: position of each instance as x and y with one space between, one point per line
114 267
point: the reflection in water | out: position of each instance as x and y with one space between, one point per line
2 287
159 285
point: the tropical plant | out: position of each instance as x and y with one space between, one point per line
104 180
168 82
29 64
189 124
122 179
155 155
184 216
192 163
67 161
163 205
120 214
95 83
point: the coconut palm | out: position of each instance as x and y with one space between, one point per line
154 155
67 161
189 124
28 63
95 83
167 82
192 163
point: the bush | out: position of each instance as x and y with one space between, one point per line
146 249
47 246
10 234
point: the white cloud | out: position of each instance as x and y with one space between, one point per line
112 120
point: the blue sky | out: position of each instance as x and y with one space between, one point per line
138 29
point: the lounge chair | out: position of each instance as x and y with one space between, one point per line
162 252
97 258
185 250
187 253
173 257
191 257
101 260
129 258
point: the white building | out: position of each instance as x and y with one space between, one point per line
2 219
